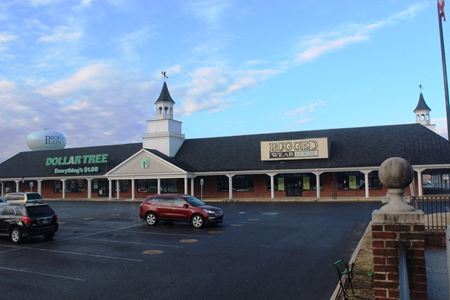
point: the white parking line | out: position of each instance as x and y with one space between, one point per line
169 234
75 253
136 243
42 274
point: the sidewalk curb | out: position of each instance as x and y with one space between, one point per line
353 258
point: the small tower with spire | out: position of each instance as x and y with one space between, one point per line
164 133
422 112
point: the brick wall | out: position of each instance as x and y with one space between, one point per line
385 244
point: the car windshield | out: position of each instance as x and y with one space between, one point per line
194 201
34 196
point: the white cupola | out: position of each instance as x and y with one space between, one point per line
422 112
164 133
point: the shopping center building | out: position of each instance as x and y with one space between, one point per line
317 164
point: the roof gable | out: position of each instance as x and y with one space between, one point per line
146 164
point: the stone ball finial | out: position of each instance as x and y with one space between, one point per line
396 173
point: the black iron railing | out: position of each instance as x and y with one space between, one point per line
436 209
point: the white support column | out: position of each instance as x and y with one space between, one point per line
63 188
117 189
89 188
185 185
419 181
159 185
230 186
39 187
317 184
192 185
133 190
366 182
110 189
17 185
272 185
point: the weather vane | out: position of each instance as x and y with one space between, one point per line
420 87
163 73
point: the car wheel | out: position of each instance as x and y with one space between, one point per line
151 219
197 221
16 235
49 236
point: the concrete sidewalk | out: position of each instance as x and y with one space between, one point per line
437 273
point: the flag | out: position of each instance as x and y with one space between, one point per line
441 4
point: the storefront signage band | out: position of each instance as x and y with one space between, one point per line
77 160
294 149
77 164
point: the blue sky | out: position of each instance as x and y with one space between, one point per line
91 68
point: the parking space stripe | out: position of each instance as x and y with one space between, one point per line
169 234
42 274
127 242
77 253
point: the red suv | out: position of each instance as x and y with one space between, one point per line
181 208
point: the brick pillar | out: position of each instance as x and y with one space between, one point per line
388 229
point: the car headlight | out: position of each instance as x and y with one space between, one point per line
209 211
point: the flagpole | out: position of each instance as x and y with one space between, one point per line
444 72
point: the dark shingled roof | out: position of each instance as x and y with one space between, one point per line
349 147
32 163
421 105
172 160
165 95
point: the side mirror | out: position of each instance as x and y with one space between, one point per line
185 205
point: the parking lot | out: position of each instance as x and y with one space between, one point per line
261 251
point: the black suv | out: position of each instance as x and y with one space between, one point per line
21 220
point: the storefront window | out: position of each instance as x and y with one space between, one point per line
241 183
147 186
306 181
57 186
374 181
169 186
124 186
222 183
75 185
351 181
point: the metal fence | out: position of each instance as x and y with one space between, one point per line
436 209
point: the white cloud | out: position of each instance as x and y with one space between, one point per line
96 105
42 2
320 49
208 11
314 46
61 34
301 115
131 43
92 77
6 37
86 3
6 85
303 110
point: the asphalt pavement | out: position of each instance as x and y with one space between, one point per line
261 251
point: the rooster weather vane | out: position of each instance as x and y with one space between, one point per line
163 73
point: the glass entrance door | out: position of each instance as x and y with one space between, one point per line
293 186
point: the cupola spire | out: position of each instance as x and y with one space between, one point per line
422 112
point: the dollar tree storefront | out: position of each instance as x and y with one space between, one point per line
322 164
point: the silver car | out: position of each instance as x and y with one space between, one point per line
27 197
